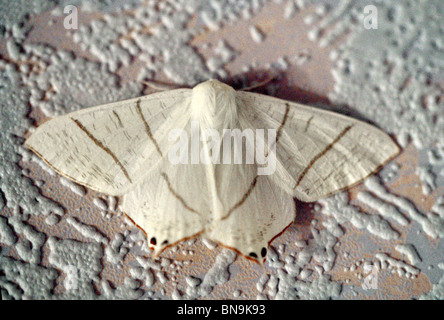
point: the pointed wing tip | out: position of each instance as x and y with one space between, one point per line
396 150
28 142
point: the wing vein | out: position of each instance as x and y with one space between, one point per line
177 196
243 199
147 128
321 154
103 147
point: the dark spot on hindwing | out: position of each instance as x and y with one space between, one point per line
253 255
153 241
263 252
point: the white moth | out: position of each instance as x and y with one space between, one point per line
127 149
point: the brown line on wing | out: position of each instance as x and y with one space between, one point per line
284 120
103 147
279 131
178 197
118 119
253 183
321 154
147 128
243 199
308 123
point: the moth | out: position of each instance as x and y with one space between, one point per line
212 161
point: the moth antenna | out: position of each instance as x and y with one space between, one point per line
161 86
260 84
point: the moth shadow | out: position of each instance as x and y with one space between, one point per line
305 213
277 84
261 81
301 228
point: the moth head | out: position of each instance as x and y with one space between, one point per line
213 105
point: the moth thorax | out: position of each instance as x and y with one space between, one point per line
213 105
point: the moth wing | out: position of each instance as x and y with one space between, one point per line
318 152
256 210
181 200
266 212
109 148
170 204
